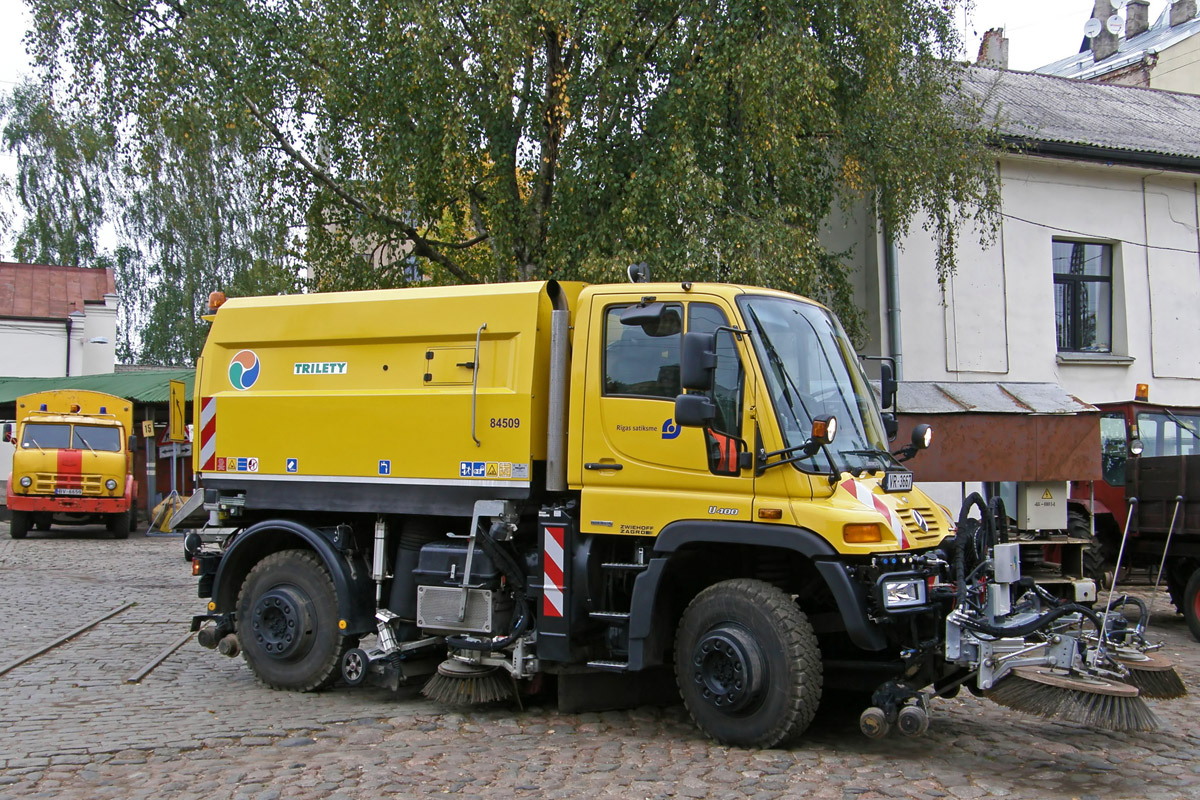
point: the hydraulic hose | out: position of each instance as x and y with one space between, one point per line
1126 600
1035 624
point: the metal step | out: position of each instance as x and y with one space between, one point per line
611 616
626 567
609 666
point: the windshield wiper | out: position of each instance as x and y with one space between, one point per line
85 443
1181 423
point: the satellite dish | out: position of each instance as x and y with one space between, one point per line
638 273
1117 4
1091 28
1115 24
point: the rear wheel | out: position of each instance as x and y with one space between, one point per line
748 664
18 525
1094 563
1191 604
287 622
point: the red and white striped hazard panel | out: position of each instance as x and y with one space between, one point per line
552 572
862 492
208 433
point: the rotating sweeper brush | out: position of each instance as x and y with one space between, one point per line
1035 653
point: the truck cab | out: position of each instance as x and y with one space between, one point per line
72 462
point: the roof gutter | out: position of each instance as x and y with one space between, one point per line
1108 155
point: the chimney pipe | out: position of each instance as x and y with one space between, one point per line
1104 44
1137 18
1182 11
993 50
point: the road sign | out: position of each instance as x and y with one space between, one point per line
147 429
177 420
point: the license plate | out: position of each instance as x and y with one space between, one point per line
69 492
899 481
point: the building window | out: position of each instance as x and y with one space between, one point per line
1083 296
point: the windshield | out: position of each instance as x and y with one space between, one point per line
811 369
1169 433
96 437
45 436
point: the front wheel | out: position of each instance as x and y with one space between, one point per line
118 524
1094 563
18 524
288 623
748 664
1191 604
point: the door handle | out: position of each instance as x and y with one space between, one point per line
601 465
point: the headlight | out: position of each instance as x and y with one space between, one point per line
110 484
903 594
26 481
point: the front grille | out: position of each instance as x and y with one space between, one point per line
932 522
88 485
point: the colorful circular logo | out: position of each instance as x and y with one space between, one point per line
243 370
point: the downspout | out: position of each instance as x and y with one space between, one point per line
892 279
67 371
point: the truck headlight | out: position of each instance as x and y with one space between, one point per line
903 594
110 484
26 481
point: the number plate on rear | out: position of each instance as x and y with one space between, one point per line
898 481
69 492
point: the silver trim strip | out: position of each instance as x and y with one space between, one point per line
258 476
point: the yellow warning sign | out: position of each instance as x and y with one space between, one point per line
493 469
1047 495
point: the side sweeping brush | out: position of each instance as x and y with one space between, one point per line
1092 702
1153 675
460 684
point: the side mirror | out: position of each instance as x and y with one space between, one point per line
8 432
694 411
887 386
891 426
698 361
655 319
131 445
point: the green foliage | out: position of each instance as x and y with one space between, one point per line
518 139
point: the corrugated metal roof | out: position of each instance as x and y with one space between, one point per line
933 397
1044 108
1153 40
141 387
49 291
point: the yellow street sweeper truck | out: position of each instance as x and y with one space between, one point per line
508 488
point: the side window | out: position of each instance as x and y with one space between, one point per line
1113 448
637 364
729 379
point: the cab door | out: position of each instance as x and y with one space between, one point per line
641 470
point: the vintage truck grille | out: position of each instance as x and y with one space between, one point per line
69 485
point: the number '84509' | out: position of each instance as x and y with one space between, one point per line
506 422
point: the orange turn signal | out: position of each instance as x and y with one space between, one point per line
75 408
770 513
195 567
862 533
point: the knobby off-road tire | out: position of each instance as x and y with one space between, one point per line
1095 565
1191 604
747 664
287 623
18 525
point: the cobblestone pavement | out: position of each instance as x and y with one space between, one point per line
71 726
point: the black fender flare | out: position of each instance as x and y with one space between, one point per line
851 598
351 580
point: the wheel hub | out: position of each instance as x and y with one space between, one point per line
279 621
728 667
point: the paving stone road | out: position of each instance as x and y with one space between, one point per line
199 726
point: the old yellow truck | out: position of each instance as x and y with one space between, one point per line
505 485
73 462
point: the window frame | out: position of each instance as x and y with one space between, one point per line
1072 284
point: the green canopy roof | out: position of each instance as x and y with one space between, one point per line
150 386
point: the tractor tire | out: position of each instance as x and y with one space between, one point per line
1095 565
1191 604
18 525
288 623
42 522
748 664
118 524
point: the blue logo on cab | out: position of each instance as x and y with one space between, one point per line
671 429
